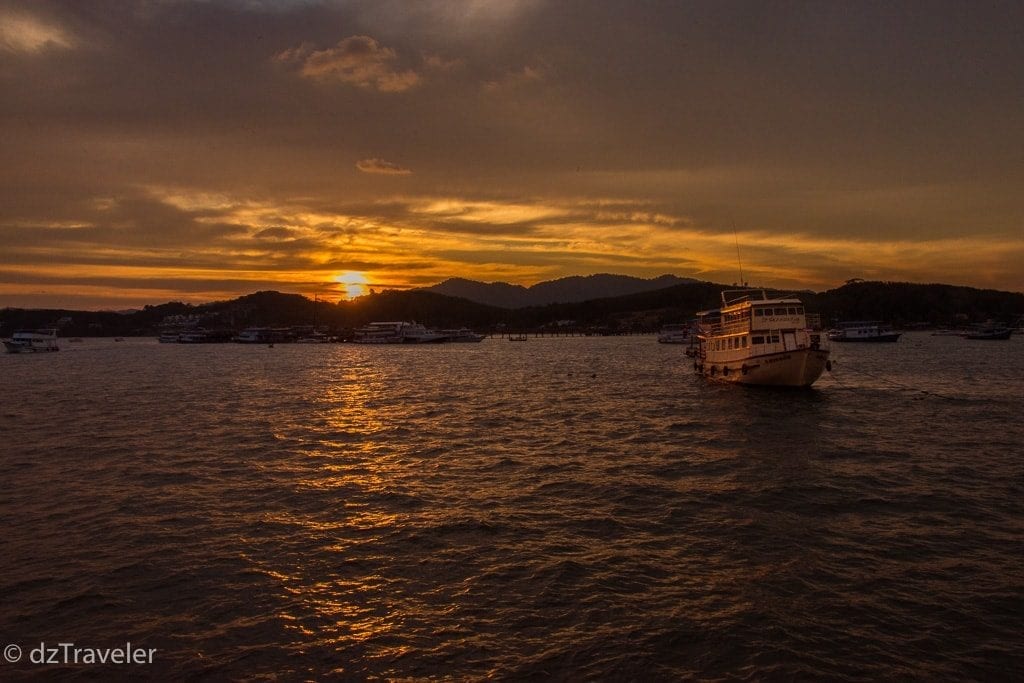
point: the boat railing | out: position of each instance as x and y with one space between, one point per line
719 328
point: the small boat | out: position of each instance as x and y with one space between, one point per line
461 335
755 340
678 333
863 331
989 332
254 335
517 337
32 341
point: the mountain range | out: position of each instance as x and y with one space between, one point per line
561 291
901 303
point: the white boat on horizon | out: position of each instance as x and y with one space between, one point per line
461 335
863 331
755 340
32 341
398 332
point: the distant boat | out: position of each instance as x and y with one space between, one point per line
314 338
32 341
989 332
255 335
461 335
517 337
396 333
863 331
677 333
755 340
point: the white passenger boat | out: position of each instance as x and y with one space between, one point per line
32 341
863 331
752 339
396 333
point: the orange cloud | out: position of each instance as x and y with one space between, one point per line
24 33
357 60
382 167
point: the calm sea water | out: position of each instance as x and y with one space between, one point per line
579 508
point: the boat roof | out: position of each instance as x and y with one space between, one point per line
733 299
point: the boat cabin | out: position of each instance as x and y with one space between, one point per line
750 324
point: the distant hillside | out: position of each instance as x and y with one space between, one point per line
563 290
897 302
904 303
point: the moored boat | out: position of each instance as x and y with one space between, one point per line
461 335
678 333
989 332
396 333
755 340
863 331
256 335
32 341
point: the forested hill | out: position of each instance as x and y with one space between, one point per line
899 303
903 303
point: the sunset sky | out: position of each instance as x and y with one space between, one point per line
171 150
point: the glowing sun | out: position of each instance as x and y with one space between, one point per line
353 283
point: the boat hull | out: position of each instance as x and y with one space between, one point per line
14 347
993 336
798 368
879 338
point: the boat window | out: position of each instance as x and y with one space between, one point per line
799 310
759 312
792 310
780 311
775 339
757 340
743 342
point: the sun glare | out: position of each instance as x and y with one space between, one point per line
353 283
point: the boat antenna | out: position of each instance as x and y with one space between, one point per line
738 261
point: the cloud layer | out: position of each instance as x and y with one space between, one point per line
197 150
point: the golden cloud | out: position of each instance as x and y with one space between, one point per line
382 167
24 33
357 60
